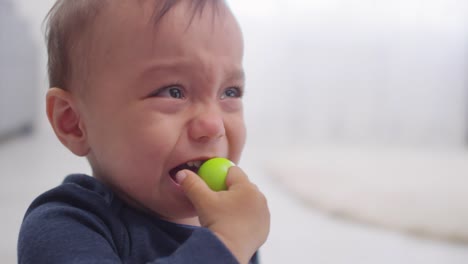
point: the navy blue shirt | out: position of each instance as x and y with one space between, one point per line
82 221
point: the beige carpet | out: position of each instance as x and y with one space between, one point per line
421 192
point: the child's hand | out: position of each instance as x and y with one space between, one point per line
238 216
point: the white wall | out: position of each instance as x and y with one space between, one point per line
18 71
381 71
31 13
385 72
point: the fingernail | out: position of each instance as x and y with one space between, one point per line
180 176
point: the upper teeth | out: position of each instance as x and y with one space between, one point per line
194 163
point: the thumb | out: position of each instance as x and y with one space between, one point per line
236 176
194 187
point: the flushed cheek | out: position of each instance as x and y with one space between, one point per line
139 171
129 151
147 151
236 134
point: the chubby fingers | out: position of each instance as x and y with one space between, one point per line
236 176
194 187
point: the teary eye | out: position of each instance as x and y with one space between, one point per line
172 91
232 92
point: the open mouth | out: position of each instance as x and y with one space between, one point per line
190 165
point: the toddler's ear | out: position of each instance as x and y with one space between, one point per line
66 120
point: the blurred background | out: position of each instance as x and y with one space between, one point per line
355 110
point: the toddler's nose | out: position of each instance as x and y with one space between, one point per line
207 125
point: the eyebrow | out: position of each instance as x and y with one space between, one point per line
236 74
162 66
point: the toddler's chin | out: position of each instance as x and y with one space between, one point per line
184 219
183 211
193 221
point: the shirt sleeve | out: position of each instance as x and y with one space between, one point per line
54 233
62 234
202 247
76 224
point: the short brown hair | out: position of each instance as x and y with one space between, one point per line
69 21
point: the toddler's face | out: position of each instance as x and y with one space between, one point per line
160 97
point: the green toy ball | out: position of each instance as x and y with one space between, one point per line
214 172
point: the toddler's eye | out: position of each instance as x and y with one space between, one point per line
233 92
170 91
